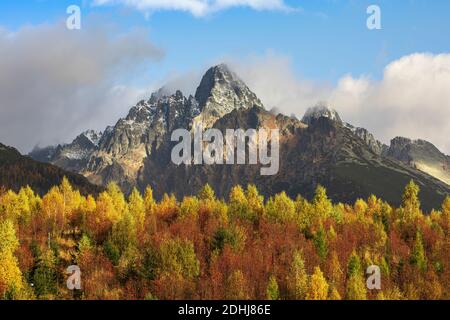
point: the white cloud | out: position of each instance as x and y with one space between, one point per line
197 8
412 99
55 83
272 79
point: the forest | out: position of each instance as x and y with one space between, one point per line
201 247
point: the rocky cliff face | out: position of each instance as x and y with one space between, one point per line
421 155
320 149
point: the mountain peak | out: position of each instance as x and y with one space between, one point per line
320 110
221 91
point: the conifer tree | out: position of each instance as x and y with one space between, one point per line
136 207
11 280
320 241
318 286
281 208
149 201
207 193
418 257
273 292
322 205
410 201
356 287
297 278
235 288
239 206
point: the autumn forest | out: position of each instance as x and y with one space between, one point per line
202 247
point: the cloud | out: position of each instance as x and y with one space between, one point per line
272 79
412 99
198 8
56 83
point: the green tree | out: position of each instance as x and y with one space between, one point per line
418 257
354 265
45 275
321 244
84 245
232 236
273 293
178 257
124 233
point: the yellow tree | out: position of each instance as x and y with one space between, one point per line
322 206
255 201
318 286
207 193
149 201
11 281
236 286
297 278
72 200
410 208
281 208
335 272
53 208
189 208
103 218
356 287
118 199
238 203
136 207
150 214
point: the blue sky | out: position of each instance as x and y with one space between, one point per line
325 40
292 54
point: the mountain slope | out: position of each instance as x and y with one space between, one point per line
17 171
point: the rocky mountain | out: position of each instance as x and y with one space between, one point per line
421 155
370 140
320 149
17 171
319 111
119 152
325 152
